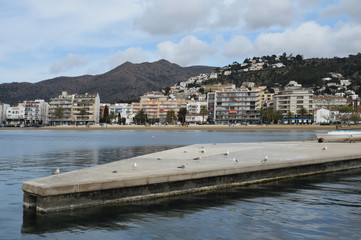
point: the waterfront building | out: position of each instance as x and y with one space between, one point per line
292 100
156 106
234 106
85 108
122 110
60 109
36 112
324 115
194 111
329 101
3 108
15 115
74 109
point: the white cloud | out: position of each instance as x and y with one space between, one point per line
265 13
165 17
70 62
309 39
348 8
187 51
238 46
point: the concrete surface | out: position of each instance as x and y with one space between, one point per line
163 167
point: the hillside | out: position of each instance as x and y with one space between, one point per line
308 72
127 81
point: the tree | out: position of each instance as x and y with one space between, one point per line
289 117
355 118
82 113
105 118
111 117
203 111
182 115
59 113
270 115
141 117
170 116
302 112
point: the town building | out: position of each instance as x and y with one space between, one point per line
324 115
3 108
36 112
156 106
234 106
74 109
194 111
329 101
15 115
293 100
85 108
122 110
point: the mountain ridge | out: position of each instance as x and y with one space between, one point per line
126 81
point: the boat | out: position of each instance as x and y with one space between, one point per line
340 135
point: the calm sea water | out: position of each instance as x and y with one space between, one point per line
324 206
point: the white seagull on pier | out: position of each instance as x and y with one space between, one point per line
235 160
324 148
265 159
57 171
227 153
197 158
135 165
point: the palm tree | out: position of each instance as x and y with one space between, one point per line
289 117
203 112
302 112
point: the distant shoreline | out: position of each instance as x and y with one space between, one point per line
197 127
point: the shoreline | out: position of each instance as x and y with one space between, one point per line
198 127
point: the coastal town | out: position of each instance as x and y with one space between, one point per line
199 101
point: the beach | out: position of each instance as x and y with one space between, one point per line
198 127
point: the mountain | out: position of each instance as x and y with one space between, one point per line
126 81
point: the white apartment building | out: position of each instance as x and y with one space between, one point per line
3 108
15 115
292 100
124 110
234 106
36 111
194 111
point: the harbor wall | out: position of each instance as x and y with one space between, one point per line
161 186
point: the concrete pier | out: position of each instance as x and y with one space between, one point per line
187 169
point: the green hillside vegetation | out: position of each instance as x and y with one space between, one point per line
308 72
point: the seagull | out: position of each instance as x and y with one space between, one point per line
235 160
324 148
265 159
227 153
158 158
203 151
185 151
182 166
134 165
114 172
57 171
197 158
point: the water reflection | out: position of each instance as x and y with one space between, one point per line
289 199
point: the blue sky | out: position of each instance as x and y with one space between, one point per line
45 39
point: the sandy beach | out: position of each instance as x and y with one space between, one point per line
198 127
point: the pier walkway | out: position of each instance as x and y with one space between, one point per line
187 169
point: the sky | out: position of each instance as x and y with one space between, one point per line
43 39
